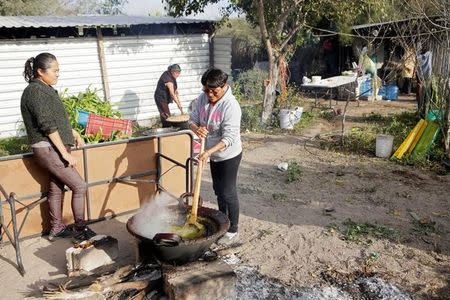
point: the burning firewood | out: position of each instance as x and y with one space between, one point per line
133 282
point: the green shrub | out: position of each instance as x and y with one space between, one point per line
362 139
294 172
291 99
237 91
14 145
89 101
251 117
251 85
305 121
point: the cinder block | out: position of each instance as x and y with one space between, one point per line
99 251
199 281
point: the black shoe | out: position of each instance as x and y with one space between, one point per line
64 233
83 234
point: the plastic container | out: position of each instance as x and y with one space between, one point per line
83 117
435 115
384 145
391 92
365 89
290 117
316 79
107 125
426 140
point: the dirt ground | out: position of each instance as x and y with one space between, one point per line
294 232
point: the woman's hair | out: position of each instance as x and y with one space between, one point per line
174 67
215 78
42 61
203 80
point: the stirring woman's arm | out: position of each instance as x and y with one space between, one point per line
174 95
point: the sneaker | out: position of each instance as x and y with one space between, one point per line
83 234
63 233
228 238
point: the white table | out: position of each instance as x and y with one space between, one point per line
325 86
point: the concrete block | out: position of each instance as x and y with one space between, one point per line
199 281
98 252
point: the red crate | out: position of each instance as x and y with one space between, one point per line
107 125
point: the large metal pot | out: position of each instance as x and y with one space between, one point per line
171 248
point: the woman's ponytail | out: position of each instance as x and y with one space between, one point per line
33 64
28 71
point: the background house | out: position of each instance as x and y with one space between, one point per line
121 56
389 40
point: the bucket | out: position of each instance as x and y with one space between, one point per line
290 117
391 92
384 145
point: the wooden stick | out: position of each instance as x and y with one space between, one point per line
198 181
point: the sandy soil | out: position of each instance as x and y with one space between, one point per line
284 225
292 232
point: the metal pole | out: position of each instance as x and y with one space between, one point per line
16 244
86 179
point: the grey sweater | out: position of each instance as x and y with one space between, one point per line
223 121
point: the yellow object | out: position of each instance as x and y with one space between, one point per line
409 63
416 139
411 140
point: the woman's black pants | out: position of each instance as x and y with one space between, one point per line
224 176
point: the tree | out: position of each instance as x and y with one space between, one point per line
32 8
246 43
283 26
60 7
99 7
435 18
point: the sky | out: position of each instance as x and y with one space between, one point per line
144 7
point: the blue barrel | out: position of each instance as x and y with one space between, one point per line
366 88
391 92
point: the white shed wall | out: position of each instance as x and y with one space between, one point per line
134 65
79 68
222 54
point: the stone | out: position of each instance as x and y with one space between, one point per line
283 166
89 255
199 281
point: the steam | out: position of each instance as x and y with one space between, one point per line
155 216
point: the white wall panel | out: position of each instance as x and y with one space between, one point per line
79 68
135 64
222 54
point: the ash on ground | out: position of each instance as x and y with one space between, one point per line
252 285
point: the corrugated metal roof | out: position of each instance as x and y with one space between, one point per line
90 21
364 26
